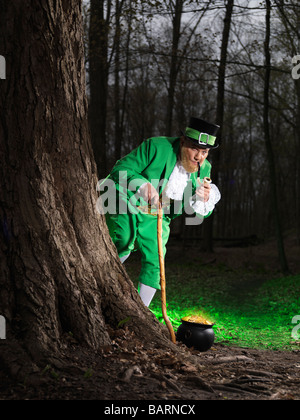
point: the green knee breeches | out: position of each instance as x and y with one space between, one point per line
140 230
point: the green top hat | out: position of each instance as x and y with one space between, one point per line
202 133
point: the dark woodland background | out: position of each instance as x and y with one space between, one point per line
153 64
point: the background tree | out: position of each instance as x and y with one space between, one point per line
288 38
268 142
208 244
176 7
98 79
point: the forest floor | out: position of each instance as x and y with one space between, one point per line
131 370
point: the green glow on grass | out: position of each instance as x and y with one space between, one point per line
249 308
259 317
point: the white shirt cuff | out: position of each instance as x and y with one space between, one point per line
204 208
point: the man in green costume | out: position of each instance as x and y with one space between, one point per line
166 169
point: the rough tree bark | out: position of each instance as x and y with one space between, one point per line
59 271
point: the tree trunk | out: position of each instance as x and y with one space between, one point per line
216 154
269 146
59 270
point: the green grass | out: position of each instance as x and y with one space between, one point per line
249 309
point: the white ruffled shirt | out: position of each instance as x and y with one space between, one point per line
176 185
177 182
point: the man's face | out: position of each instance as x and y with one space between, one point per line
191 155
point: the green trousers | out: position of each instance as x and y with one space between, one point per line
131 231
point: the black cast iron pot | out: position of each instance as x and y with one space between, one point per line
199 336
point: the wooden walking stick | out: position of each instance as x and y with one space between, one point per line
162 273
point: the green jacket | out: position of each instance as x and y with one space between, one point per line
153 161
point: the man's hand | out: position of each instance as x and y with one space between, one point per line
203 192
149 194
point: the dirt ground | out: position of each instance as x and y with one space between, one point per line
129 370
